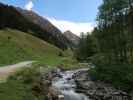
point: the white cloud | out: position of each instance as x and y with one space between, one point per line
29 5
75 27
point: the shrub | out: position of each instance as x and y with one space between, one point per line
121 76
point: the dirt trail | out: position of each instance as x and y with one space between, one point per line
5 71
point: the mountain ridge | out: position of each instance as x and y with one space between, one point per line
17 18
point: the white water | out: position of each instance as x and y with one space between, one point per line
66 86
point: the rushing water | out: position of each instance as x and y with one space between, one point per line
66 86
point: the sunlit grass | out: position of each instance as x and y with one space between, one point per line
16 46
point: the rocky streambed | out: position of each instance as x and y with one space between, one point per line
97 90
77 85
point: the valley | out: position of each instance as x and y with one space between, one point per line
41 60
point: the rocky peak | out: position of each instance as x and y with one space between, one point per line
72 37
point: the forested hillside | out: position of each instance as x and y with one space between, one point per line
110 45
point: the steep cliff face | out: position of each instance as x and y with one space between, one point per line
72 37
29 21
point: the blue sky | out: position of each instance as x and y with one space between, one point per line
59 11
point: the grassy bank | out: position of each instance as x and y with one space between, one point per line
20 85
16 90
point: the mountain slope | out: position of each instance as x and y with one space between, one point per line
30 22
72 37
17 46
